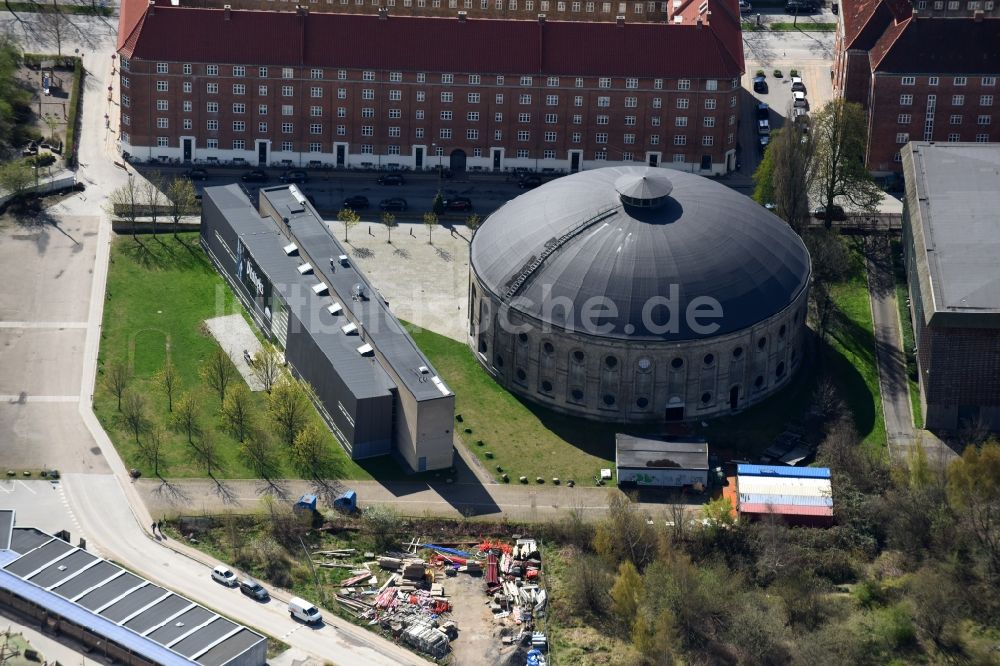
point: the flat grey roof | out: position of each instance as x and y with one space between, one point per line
118 605
380 328
953 195
640 452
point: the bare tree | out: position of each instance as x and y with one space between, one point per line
267 366
350 220
169 381
237 411
311 452
389 220
181 200
152 197
187 417
134 413
124 202
116 378
218 372
205 451
55 24
840 132
262 455
152 450
288 408
430 221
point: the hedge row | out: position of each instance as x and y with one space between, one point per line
74 108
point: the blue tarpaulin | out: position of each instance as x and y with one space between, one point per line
451 551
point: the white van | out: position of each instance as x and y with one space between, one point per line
301 609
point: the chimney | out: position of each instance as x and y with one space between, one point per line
698 22
226 11
620 20
383 13
541 19
152 7
462 16
302 10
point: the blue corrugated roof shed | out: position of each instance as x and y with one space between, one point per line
795 500
788 472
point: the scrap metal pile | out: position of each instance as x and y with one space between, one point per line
517 599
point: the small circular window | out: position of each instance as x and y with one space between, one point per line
759 381
644 364
780 370
709 359
521 374
738 352
677 363
611 362
547 347
547 386
522 338
706 398
577 394
761 343
498 361
609 399
578 356
781 331
642 403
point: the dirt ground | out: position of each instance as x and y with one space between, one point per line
49 111
478 641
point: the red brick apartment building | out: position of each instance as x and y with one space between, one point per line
925 70
479 84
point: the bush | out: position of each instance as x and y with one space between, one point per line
74 106
778 74
793 72
760 72
42 160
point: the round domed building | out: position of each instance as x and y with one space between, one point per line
638 294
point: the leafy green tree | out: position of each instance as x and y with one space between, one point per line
218 372
350 220
267 366
472 222
624 534
262 454
186 418
626 595
124 202
389 221
289 409
16 177
437 206
237 411
181 200
430 221
14 98
763 180
974 494
311 452
840 133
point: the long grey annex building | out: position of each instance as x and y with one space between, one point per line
119 617
374 387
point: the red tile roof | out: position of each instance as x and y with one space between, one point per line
432 43
930 46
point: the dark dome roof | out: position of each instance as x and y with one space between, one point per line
575 238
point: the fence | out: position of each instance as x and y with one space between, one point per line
47 185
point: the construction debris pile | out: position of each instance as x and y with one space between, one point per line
517 599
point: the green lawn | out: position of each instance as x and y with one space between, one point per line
906 324
159 292
850 357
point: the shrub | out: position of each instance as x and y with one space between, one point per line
778 74
760 72
42 160
74 106
793 72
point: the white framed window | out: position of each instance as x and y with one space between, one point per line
576 137
954 137
472 134
601 137
632 83
933 80
315 111
683 102
498 135
262 109
627 157
315 147
239 70
162 86
955 119
445 133
708 121
368 93
212 125
902 137
447 97
654 121
684 84
212 70
395 114
368 112
552 82
601 155
341 112
552 100
473 98
524 100
393 149
525 80
472 116
499 79
367 149
577 119
239 144
549 154
186 86
906 100
904 119
957 100
287 91
711 84
499 98
657 102
239 89
188 124
447 79
551 118
162 141
239 107
523 135
446 115
603 102
708 140
287 146
212 144
287 110
212 107
711 103
288 72
680 139
984 120
161 105
909 80
124 63
550 137
341 93
262 72
395 95
604 82
315 128
341 130
657 84
474 79
367 130
961 80
498 117
316 92
162 123
187 106
239 126
524 117
986 100
680 121
982 138
262 128
523 153
161 68
988 81
678 158
316 74
578 100
419 114
631 102
628 139
287 128
262 91
603 120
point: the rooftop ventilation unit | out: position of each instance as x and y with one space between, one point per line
366 350
440 385
334 308
319 288
305 269
349 329
297 193
358 292
291 249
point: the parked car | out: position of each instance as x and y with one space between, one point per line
458 203
763 111
294 176
528 182
223 574
799 100
255 176
390 179
197 173
253 589
800 7
798 85
763 127
745 7
357 202
395 203
300 609
760 84
763 140
838 212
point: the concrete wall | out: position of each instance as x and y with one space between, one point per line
634 381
